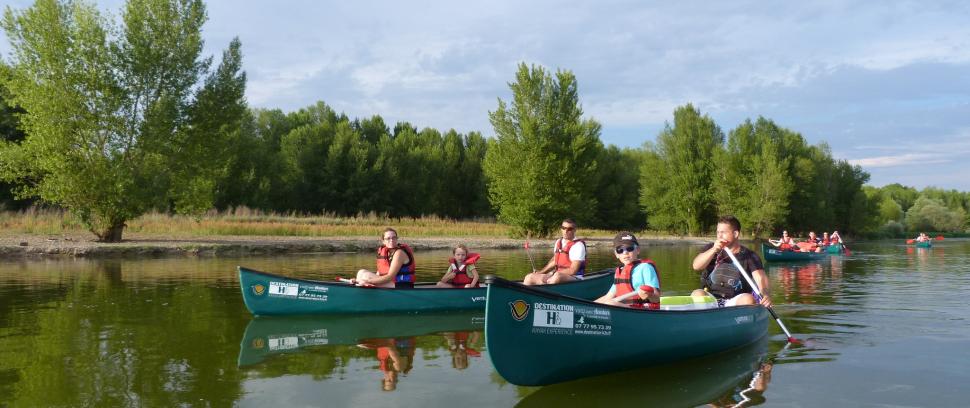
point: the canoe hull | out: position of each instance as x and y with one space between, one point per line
267 294
536 337
925 244
772 254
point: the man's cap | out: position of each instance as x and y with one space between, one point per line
625 239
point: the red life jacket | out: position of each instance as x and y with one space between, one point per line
461 271
562 256
786 244
623 280
384 256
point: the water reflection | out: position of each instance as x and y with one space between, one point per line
733 378
395 356
267 336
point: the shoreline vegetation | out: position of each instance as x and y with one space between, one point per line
48 232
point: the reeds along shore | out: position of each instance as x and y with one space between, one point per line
245 221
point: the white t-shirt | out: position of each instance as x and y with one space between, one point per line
576 253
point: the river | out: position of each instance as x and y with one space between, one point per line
886 326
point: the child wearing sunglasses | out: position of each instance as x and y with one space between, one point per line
633 275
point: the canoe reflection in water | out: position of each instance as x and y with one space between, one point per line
460 347
395 356
292 334
734 378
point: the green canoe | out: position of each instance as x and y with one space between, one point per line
268 294
772 254
536 337
267 336
924 244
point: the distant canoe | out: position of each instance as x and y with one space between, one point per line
773 254
267 336
536 337
924 244
268 294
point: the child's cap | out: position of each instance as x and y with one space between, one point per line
625 239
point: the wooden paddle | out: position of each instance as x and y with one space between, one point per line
757 291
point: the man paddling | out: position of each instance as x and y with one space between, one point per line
719 276
568 261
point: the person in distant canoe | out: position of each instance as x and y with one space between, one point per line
826 241
810 244
568 261
786 243
631 275
835 238
395 264
461 269
922 237
719 276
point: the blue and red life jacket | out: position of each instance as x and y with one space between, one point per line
384 256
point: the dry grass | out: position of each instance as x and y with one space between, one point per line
248 222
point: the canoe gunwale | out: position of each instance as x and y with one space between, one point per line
417 285
537 290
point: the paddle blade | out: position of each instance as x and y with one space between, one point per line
939 237
793 340
910 241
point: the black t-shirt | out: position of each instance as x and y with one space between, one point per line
746 257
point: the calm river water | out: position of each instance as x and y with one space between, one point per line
886 326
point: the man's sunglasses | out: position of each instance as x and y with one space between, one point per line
568 228
621 250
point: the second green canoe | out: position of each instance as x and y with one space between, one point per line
268 294
536 337
772 254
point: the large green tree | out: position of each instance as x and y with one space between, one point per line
751 178
678 171
543 153
120 119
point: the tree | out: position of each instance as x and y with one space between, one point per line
9 132
752 181
120 120
543 153
930 214
677 173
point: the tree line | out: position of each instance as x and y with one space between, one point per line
112 121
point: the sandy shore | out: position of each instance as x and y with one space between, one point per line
135 245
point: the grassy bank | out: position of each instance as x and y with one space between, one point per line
247 222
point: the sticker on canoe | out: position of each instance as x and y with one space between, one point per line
478 298
744 319
283 343
520 309
318 293
259 289
283 289
550 318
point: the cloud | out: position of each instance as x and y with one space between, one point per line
900 160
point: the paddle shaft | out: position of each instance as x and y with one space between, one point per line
757 291
528 251
631 294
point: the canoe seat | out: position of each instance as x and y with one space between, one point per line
687 302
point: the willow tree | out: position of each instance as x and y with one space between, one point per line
677 173
539 164
120 118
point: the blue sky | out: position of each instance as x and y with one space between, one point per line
886 84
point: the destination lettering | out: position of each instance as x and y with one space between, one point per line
552 306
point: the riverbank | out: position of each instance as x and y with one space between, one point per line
154 245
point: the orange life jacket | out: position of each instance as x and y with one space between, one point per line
562 256
623 280
461 271
384 256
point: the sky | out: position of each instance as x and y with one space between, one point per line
886 84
